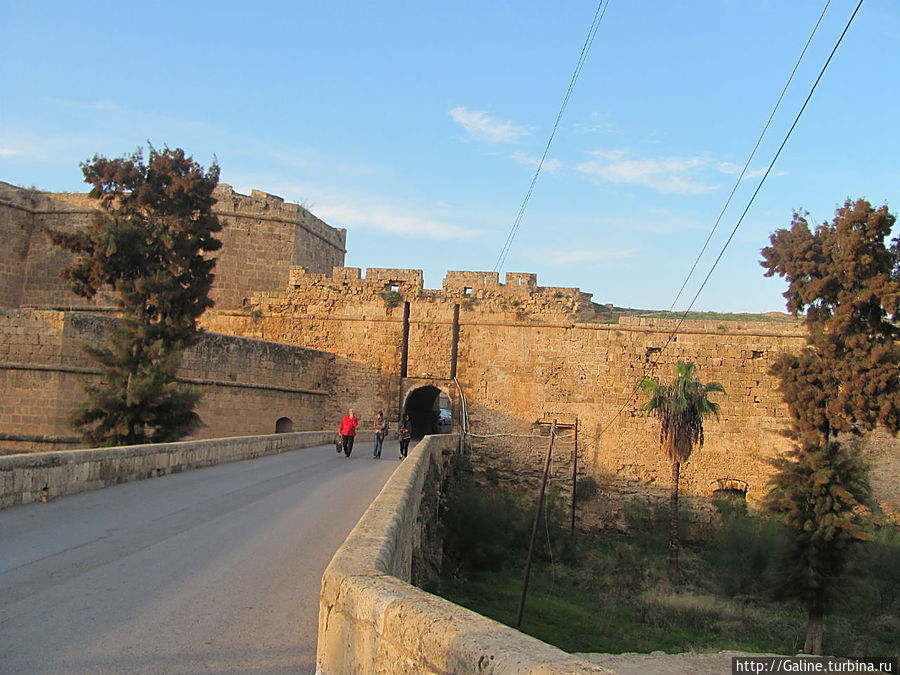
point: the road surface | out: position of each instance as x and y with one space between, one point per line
216 570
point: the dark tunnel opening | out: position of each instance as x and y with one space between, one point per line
425 413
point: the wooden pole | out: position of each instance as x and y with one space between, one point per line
534 529
574 474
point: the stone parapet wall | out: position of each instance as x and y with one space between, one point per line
478 293
31 477
247 385
694 326
29 263
371 620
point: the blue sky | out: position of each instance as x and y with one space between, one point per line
417 125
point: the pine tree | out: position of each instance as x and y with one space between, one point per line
148 242
844 280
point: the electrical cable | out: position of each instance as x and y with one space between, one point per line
592 32
761 181
532 436
750 158
652 363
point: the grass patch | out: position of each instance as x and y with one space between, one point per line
611 593
718 316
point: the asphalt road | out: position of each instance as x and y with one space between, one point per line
210 571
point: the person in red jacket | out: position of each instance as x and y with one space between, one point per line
348 432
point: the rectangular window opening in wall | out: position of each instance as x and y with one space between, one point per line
467 291
395 288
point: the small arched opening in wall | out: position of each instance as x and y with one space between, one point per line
429 411
732 489
284 425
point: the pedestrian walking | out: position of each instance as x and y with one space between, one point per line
380 433
348 432
405 435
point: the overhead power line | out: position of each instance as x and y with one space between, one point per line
750 158
651 363
766 174
592 32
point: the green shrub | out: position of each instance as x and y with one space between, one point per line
745 550
585 488
480 530
648 522
391 298
873 573
490 528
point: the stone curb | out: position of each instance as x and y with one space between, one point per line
39 476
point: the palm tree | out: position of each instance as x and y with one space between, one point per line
681 408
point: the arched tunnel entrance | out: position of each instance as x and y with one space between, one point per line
429 411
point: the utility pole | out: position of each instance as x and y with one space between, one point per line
574 474
534 529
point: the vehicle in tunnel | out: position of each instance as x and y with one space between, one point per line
429 411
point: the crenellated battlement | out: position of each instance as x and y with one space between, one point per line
479 292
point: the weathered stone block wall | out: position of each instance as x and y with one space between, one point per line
521 374
364 341
371 620
262 238
26 478
430 326
29 266
16 228
247 385
524 356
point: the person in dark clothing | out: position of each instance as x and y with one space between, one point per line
405 435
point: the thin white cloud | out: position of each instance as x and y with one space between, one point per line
551 165
730 169
670 175
560 257
484 127
393 221
597 123
341 208
657 221
65 149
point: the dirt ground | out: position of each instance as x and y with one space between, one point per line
667 664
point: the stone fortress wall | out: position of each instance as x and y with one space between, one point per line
526 354
248 385
296 335
262 238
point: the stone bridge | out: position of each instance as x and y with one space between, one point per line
370 619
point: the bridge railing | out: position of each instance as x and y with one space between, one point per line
37 476
371 620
